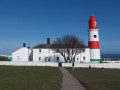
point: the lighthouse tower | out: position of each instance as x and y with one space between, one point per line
93 42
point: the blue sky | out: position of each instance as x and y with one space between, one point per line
32 21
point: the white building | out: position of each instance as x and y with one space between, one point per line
43 53
22 54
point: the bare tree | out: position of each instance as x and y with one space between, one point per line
68 46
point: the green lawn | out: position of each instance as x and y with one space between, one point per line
30 78
98 79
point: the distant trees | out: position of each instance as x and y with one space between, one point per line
68 46
3 58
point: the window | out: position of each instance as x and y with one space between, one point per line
39 50
57 50
95 36
29 58
77 59
48 59
39 58
83 50
45 59
67 50
67 58
95 23
48 50
57 59
74 59
18 57
83 57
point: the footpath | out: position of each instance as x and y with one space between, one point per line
69 82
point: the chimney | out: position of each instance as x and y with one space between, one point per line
24 44
48 40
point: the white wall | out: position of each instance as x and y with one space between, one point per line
93 32
47 54
53 64
98 65
81 56
28 63
21 55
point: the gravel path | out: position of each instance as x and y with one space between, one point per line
69 82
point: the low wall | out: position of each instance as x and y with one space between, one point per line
54 64
112 61
29 63
99 65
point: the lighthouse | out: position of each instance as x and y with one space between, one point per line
93 40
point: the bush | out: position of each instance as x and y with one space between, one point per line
3 58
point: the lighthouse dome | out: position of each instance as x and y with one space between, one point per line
92 18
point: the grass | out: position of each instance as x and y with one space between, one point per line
30 78
98 79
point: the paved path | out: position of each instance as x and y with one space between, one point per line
69 82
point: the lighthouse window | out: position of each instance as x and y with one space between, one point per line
95 36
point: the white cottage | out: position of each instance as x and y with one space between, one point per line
44 53
22 54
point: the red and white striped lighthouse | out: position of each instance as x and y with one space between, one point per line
94 40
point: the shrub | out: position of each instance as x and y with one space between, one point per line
3 58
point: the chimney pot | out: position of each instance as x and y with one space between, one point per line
48 40
24 44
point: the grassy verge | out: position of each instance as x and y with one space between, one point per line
30 78
98 79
